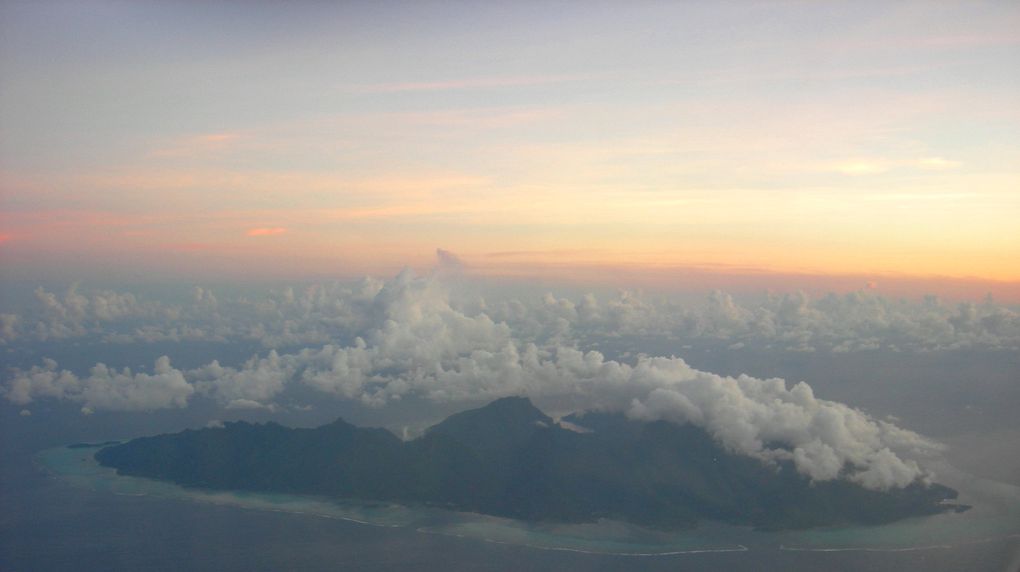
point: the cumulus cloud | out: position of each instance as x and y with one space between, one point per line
325 313
76 314
447 261
41 381
858 321
8 327
104 388
381 341
252 385
418 344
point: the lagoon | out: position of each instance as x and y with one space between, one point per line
984 538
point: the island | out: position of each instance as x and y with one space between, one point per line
509 459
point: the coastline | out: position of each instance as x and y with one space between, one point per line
985 523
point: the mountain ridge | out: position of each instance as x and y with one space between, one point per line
510 459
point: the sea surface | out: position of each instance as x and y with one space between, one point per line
62 511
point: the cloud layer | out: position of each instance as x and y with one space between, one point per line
103 388
324 313
386 341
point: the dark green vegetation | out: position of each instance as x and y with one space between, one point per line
509 459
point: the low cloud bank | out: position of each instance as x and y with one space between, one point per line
103 388
322 314
410 339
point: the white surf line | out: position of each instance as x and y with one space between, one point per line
739 548
243 506
864 549
239 504
904 549
317 514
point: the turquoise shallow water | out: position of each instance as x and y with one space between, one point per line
996 515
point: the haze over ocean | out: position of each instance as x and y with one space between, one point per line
793 226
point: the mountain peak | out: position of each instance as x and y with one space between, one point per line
517 403
504 411
505 423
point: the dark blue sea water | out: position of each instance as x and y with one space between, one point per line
81 519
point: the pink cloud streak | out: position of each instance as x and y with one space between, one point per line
266 231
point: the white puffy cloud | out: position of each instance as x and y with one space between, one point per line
121 390
448 262
252 385
8 327
858 321
77 314
418 344
327 313
41 381
104 388
377 342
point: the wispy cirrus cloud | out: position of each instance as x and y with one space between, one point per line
266 231
874 166
468 83
191 146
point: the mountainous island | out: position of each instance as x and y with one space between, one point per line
511 460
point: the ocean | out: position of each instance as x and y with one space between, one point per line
61 511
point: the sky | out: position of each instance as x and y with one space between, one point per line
793 224
767 144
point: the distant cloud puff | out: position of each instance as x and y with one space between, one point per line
317 314
448 261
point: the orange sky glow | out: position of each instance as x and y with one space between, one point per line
841 156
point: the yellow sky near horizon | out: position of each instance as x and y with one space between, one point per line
826 141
